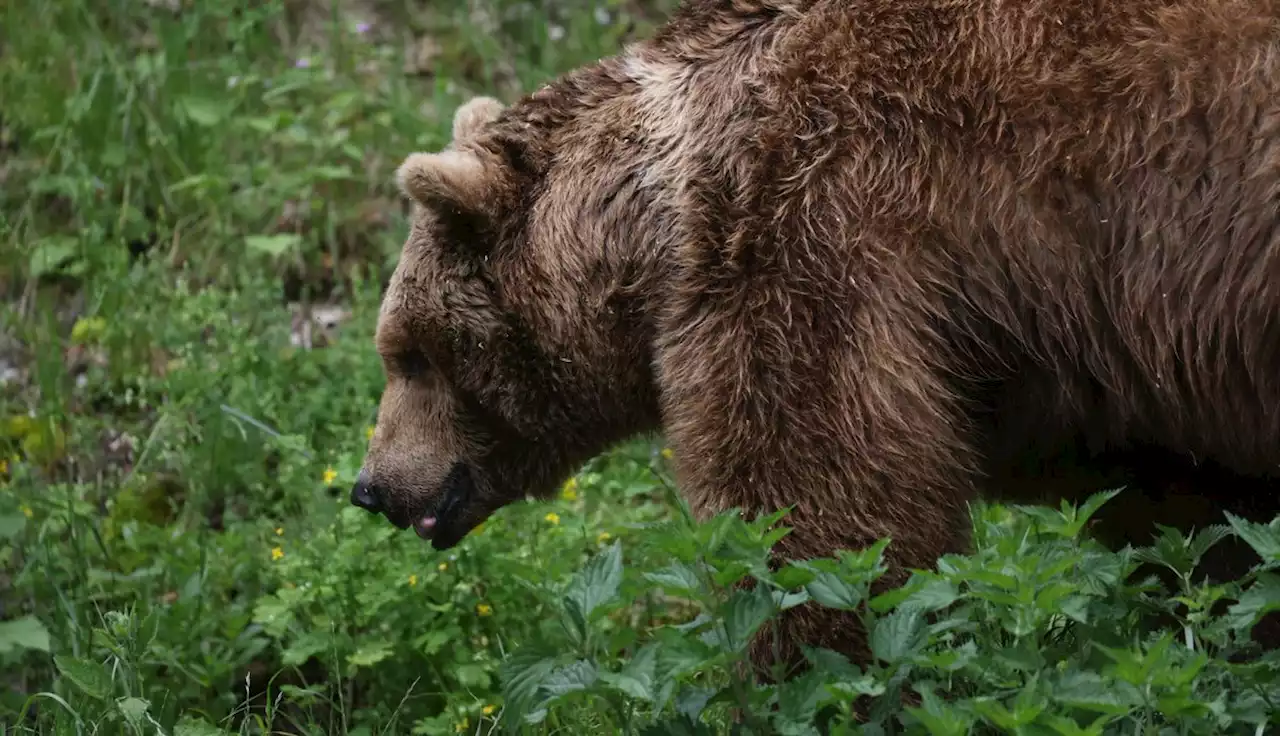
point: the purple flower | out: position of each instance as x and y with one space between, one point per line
362 27
302 63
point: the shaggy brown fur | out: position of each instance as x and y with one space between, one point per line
856 255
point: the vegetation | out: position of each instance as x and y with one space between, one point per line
197 215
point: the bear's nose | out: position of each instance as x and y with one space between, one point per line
364 494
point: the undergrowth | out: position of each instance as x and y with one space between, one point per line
198 214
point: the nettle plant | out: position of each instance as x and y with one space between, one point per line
355 602
1041 630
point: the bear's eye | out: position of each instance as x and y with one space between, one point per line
411 363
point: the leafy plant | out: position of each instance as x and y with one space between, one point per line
198 213
1039 630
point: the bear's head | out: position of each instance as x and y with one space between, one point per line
499 336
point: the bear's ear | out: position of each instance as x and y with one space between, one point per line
455 180
471 117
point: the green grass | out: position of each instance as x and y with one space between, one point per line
178 188
198 214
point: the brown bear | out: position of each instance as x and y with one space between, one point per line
859 256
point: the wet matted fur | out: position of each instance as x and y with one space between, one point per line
866 257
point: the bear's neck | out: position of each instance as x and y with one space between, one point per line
620 142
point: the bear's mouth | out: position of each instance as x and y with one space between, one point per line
440 525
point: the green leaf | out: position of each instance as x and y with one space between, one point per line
995 713
793 576
522 674
301 695
51 253
676 578
90 678
730 573
637 678
856 687
748 610
577 627
1075 607
898 635
691 701
192 726
331 173
472 676
786 601
1206 539
831 662
1066 727
1260 599
195 181
370 654
953 659
202 110
273 245
578 675
1263 538
1089 691
436 639
23 633
1079 518
681 726
940 718
11 525
995 579
134 709
829 590
597 583
798 699
1024 656
1027 707
304 648
933 595
865 565
148 629
1169 549
114 155
680 654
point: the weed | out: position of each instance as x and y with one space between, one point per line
198 215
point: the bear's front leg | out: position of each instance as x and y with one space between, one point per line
854 425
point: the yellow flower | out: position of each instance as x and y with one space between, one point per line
26 511
570 491
368 433
442 566
552 517
329 475
276 553
667 453
413 580
489 709
484 609
279 531
87 329
466 723
603 537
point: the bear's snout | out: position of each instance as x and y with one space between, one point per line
365 494
434 516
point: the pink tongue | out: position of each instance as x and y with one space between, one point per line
425 526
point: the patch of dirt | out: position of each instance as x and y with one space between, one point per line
316 325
